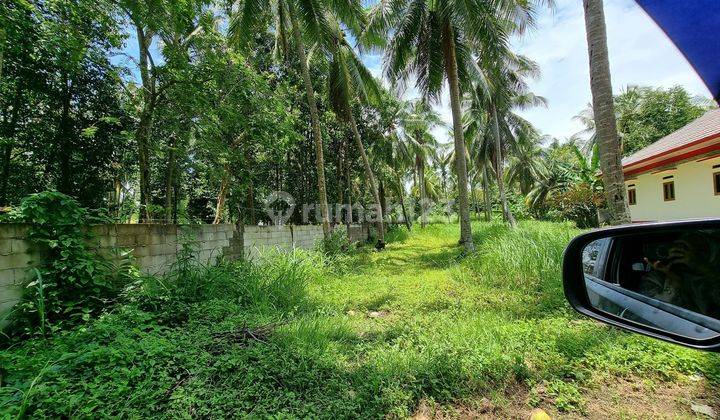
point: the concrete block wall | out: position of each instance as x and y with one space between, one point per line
155 248
358 233
17 257
257 239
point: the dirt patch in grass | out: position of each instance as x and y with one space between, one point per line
634 398
647 399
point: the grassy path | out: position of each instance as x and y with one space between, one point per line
411 331
491 335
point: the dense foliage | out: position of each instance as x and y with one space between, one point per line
73 282
197 111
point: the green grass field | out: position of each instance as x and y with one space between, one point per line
415 330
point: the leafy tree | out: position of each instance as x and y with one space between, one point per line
175 24
348 78
645 114
62 119
305 20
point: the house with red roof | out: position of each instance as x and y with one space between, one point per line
678 176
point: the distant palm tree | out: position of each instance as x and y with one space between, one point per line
604 113
586 137
559 175
419 119
443 162
392 150
501 90
481 147
348 78
526 166
306 19
432 41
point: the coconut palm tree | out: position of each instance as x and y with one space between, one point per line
348 78
480 146
502 89
604 113
306 19
443 160
418 120
526 166
432 41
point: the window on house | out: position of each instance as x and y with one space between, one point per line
669 191
716 182
632 197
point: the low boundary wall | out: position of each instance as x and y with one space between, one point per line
155 247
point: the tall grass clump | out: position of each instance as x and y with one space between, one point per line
274 285
396 234
338 254
527 257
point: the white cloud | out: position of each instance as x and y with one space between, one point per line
640 54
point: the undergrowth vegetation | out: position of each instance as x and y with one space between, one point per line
371 334
74 283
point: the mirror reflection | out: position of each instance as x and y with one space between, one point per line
667 280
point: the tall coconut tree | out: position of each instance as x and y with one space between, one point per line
501 90
526 165
432 42
481 147
604 113
393 150
302 20
419 120
348 79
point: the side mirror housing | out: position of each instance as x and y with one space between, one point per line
661 280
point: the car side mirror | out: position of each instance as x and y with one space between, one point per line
661 280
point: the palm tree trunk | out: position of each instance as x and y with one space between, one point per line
383 200
507 215
371 179
473 199
421 186
341 193
251 203
314 119
142 132
486 194
169 180
349 215
605 124
460 164
222 194
408 224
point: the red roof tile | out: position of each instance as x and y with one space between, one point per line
705 127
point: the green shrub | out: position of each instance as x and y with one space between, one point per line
72 284
396 233
275 284
337 243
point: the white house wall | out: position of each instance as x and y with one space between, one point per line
694 193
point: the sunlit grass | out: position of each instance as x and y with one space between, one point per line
368 334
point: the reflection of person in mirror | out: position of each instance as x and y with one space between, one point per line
689 277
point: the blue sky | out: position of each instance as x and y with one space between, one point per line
640 54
